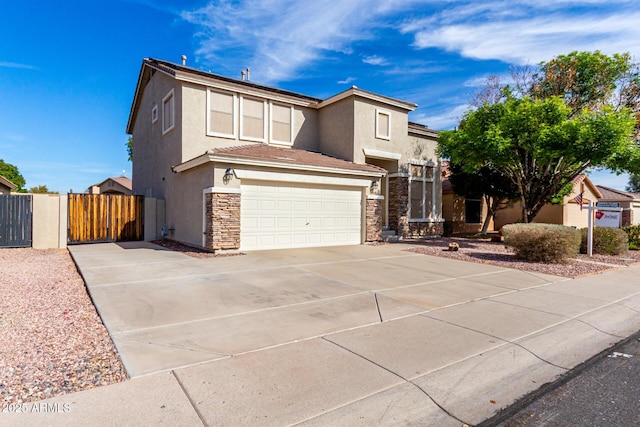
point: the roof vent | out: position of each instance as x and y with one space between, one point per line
184 60
246 74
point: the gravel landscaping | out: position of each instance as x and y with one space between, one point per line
53 341
483 250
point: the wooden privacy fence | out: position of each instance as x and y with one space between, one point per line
105 218
16 220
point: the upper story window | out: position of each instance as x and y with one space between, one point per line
281 124
253 125
168 112
222 113
421 194
383 124
154 114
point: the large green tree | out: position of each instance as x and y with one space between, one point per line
539 145
575 112
634 183
12 173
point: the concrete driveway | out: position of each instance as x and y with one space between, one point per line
342 335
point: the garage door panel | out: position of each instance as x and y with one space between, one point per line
281 215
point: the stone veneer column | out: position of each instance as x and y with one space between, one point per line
374 218
399 205
222 225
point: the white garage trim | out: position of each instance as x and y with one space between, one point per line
299 178
277 215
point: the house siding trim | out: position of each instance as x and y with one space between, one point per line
206 158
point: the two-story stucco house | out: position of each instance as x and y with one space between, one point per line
245 166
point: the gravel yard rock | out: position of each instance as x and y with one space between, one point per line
52 340
483 250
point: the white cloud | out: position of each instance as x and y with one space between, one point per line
280 36
374 60
528 32
347 81
4 64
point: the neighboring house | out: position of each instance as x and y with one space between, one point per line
246 166
6 186
466 215
568 213
629 202
119 185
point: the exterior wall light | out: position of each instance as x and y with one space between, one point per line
374 187
228 175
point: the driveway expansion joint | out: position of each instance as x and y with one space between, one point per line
190 399
399 376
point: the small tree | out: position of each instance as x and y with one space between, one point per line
41 189
12 173
129 145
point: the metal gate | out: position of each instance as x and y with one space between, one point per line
16 219
105 218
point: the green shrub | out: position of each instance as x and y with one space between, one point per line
606 241
548 243
633 233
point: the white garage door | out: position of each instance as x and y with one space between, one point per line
287 215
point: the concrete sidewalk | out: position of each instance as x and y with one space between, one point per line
364 335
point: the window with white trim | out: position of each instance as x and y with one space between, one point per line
168 112
154 114
421 194
253 126
281 124
221 119
383 124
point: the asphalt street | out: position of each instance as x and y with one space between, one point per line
605 393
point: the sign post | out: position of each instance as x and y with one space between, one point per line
591 209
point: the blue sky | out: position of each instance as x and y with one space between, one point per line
68 69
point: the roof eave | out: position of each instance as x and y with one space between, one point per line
354 91
211 157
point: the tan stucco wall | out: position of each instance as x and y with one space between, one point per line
114 188
49 221
154 153
184 207
453 210
194 116
336 132
568 213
